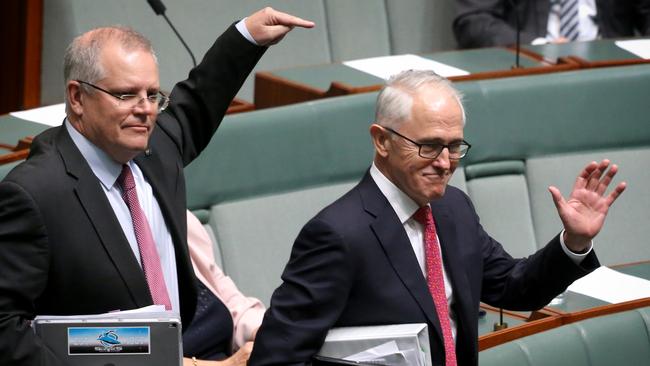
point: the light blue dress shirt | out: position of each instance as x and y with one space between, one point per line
107 170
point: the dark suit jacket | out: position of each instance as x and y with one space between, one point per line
353 264
62 250
487 23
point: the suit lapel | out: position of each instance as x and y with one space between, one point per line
391 235
100 214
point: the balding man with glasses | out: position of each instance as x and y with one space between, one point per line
94 221
404 247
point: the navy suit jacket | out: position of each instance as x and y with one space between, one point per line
353 265
487 23
62 250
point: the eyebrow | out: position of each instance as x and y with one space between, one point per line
439 141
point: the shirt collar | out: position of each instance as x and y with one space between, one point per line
103 166
402 204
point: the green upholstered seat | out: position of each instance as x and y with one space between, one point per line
283 149
555 124
344 30
617 339
500 195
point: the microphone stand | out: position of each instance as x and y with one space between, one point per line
500 324
159 8
518 37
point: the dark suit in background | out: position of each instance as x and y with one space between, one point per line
62 250
353 265
487 23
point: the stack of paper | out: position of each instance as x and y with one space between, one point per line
611 286
639 47
51 115
387 66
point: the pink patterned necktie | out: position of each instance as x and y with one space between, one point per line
435 280
148 252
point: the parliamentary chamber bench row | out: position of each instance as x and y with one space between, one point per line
266 173
616 339
383 27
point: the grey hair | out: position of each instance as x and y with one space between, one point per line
81 60
395 100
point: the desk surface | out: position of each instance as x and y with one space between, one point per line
13 129
592 51
294 85
573 307
473 61
484 60
487 321
299 84
571 302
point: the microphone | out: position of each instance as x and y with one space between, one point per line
159 8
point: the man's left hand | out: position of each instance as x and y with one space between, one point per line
583 214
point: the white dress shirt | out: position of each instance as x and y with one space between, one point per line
586 22
405 207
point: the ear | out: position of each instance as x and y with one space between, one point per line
380 140
73 94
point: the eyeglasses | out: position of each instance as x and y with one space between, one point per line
457 150
129 101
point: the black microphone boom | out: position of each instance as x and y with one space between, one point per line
159 8
518 28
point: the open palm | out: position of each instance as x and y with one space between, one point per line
583 213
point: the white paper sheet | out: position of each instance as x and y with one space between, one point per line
51 115
611 286
386 66
639 47
150 311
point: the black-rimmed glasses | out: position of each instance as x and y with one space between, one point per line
457 150
129 101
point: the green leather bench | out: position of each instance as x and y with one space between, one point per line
267 172
532 132
382 27
617 339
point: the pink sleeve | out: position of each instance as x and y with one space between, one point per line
246 312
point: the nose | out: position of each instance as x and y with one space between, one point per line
442 161
145 106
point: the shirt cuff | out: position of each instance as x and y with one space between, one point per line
577 258
241 27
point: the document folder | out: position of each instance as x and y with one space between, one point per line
135 339
395 344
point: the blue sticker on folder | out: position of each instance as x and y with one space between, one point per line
113 340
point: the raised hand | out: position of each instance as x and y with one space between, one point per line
268 26
583 214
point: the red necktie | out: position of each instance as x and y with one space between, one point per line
435 280
148 252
